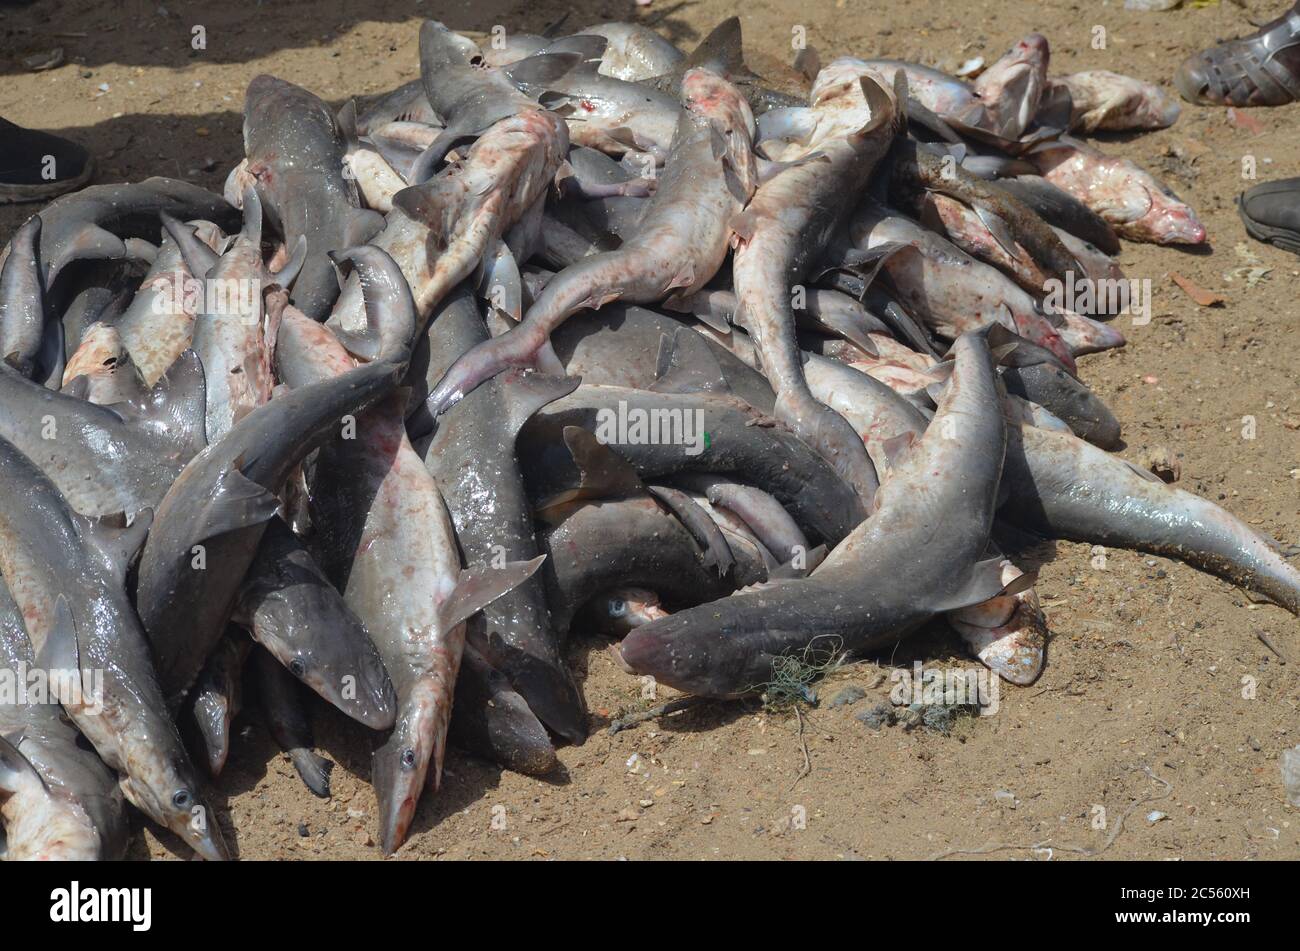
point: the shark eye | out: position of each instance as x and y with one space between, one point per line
617 607
297 667
408 759
182 799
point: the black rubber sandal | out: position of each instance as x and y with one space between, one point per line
1262 69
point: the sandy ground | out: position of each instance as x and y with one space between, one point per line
1146 705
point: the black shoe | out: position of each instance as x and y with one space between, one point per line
36 166
1271 212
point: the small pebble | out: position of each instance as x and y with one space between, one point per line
849 695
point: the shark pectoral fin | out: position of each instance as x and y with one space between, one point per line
313 770
716 550
499 281
390 311
346 123
481 585
1000 230
589 47
175 405
289 273
526 392
426 204
1021 583
547 361
808 63
800 566
687 365
542 68
116 543
558 102
1004 355
254 212
363 224
426 164
881 105
940 372
983 582
867 262
78 387
907 328
745 224
14 766
721 51
198 257
734 184
711 319
92 242
236 502
61 650
603 472
896 448
181 397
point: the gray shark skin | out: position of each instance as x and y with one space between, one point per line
1058 207
385 538
614 116
157 326
107 460
101 370
722 52
1007 633
491 720
93 223
763 514
1065 397
741 441
284 710
630 542
780 237
1063 487
221 503
229 333
93 292
473 458
635 51
680 243
406 103
67 575
917 555
217 698
610 346
470 95
295 153
292 610
439 232
22 298
57 799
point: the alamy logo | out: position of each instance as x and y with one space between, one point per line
24 685
1103 297
215 297
77 904
635 426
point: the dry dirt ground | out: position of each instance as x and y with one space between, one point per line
1146 705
